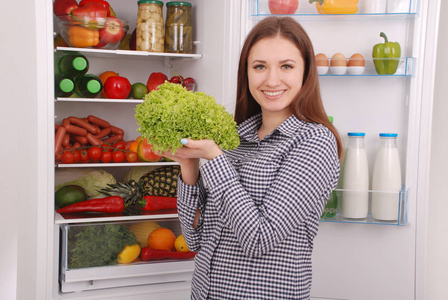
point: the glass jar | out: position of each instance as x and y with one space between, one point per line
150 30
178 28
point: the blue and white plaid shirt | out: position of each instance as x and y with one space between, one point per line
260 208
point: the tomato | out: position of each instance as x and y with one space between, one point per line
67 157
103 76
76 156
283 7
84 156
120 145
154 80
106 157
117 87
118 156
94 153
131 156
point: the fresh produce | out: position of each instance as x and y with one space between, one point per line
283 6
171 113
336 6
92 180
155 80
92 12
180 244
63 8
117 87
131 156
69 194
150 254
135 173
106 5
161 181
153 203
82 37
130 191
129 254
113 204
386 56
189 83
108 240
161 239
146 153
139 90
142 230
112 32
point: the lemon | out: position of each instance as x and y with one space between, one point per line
138 90
180 244
129 254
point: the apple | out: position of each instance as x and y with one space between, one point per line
177 79
189 83
283 7
112 32
154 80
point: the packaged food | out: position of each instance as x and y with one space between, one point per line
150 28
178 28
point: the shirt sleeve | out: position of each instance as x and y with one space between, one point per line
190 198
305 178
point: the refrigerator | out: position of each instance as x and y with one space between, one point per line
352 259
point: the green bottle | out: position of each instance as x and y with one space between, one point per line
88 86
73 65
331 208
63 86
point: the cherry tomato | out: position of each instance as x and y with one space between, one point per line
106 157
67 157
131 156
84 156
76 156
94 153
283 6
118 156
120 145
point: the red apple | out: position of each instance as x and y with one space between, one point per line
283 6
63 8
177 79
154 80
112 32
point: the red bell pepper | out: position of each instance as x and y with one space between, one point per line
150 254
102 2
91 12
152 203
63 8
112 204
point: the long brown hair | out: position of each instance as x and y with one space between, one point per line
307 105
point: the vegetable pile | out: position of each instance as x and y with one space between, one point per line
171 113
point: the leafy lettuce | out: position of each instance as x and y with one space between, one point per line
171 113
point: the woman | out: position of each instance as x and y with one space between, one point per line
252 213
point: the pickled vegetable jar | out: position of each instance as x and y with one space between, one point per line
150 31
178 28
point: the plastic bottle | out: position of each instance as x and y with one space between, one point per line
63 86
88 86
386 179
355 178
73 65
331 208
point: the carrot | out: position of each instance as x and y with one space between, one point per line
152 203
112 204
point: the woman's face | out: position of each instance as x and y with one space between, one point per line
275 73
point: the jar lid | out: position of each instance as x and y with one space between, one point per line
388 134
66 85
180 3
150 1
80 63
356 134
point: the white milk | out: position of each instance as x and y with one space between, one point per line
355 178
386 179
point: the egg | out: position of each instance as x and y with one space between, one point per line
321 60
338 60
356 60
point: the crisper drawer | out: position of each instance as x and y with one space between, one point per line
89 255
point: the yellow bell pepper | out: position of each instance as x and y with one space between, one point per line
129 254
336 6
81 37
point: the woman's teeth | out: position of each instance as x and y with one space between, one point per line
271 94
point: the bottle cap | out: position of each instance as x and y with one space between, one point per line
331 119
79 63
93 86
388 134
66 85
356 134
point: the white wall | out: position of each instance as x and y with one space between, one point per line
437 263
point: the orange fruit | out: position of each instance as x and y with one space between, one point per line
161 239
103 76
180 244
134 146
139 139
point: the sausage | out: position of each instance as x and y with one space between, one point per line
81 123
76 145
113 139
98 121
65 121
116 130
80 139
56 127
59 136
75 130
66 139
93 140
103 133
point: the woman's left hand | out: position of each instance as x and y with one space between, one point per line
206 149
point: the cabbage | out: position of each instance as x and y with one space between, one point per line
92 180
135 173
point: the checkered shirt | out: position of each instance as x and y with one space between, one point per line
260 207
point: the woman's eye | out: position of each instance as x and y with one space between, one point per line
259 67
287 67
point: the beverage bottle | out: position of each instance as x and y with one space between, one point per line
331 208
88 86
375 6
63 86
386 179
355 178
73 65
398 6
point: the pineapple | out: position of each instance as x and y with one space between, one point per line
161 181
130 191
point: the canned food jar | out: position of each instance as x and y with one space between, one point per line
150 33
178 28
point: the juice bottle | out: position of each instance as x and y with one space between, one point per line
63 86
88 86
73 65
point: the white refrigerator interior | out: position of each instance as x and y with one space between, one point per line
353 259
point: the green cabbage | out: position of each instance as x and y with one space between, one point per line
92 180
135 173
171 113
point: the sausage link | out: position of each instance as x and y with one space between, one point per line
98 121
113 139
103 133
116 130
80 139
59 136
93 140
75 130
81 123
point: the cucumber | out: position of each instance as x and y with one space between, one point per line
69 194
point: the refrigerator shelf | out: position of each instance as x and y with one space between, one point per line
125 164
100 100
401 218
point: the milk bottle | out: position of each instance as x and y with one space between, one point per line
386 179
355 178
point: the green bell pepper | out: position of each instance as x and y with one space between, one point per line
386 56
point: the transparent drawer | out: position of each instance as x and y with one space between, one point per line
89 255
